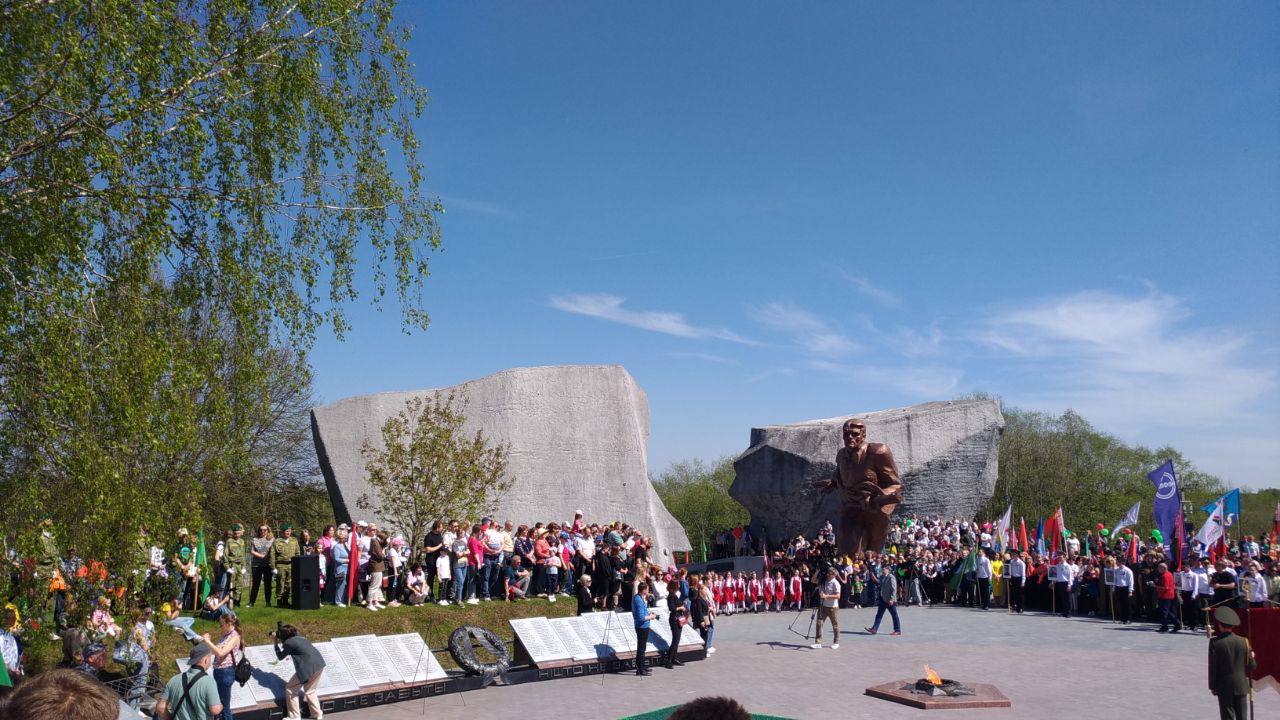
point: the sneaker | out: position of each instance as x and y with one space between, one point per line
816 646
473 601
895 633
372 608
394 603
835 646
443 602
339 605
551 599
870 631
710 650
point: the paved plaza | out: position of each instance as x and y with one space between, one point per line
1049 667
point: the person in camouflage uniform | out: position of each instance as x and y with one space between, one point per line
285 549
234 554
48 564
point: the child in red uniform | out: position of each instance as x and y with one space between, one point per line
795 590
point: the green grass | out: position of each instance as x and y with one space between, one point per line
433 622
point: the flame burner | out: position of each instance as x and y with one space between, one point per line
946 688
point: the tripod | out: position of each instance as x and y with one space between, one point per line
813 617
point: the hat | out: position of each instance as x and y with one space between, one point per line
578 513
1226 616
344 526
92 649
199 652
362 523
183 531
237 526
285 526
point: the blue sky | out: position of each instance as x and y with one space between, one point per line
770 213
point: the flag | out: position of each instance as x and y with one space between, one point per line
1040 537
1087 550
353 573
1022 536
969 565
1276 531
1056 528
202 562
1180 539
704 549
1214 528
1130 519
1168 500
1231 507
1003 526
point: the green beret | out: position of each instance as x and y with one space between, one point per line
285 526
237 526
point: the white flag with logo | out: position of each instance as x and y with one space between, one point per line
1213 528
1130 518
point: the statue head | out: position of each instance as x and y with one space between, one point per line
854 433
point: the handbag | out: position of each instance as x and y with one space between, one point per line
244 669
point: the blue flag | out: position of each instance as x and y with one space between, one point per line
1230 507
1168 501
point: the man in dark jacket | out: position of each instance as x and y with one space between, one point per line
1230 662
308 666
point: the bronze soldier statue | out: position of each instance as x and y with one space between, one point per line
867 478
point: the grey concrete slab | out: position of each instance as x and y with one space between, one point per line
1048 666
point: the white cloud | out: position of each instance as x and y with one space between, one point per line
609 307
708 357
871 290
1130 361
920 382
810 332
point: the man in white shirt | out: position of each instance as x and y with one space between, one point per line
1196 596
1254 586
1062 586
1123 588
1017 582
984 579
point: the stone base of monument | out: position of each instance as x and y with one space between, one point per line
915 694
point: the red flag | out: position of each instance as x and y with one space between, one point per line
1022 535
353 576
1133 548
1180 537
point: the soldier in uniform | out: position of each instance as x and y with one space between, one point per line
233 558
1230 662
285 549
48 564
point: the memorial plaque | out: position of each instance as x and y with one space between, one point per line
622 633
366 660
573 643
659 634
590 631
540 640
241 697
269 673
411 658
337 678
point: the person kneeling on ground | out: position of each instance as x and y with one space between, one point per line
516 579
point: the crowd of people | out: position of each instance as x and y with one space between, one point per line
608 567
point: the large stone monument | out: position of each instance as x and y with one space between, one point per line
946 453
578 436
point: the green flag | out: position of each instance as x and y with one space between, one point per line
202 562
5 680
704 549
969 565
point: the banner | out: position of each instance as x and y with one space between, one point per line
1129 520
1168 501
1230 507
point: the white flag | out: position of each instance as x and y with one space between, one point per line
1130 518
1213 528
1002 528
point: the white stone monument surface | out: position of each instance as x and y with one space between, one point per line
411 658
337 678
367 660
541 640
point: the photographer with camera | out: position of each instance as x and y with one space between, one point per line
308 666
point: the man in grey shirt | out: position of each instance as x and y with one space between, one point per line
888 600
829 592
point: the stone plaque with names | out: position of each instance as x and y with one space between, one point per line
622 633
241 697
590 631
411 658
540 640
659 634
269 674
337 678
366 660
573 643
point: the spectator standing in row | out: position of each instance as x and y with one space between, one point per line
260 549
